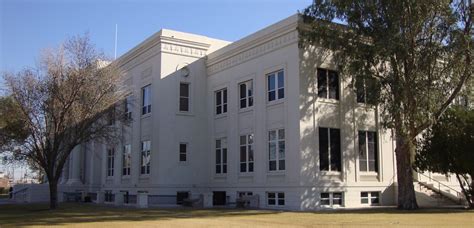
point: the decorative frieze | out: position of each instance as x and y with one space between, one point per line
171 48
253 52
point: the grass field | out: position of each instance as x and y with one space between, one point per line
89 215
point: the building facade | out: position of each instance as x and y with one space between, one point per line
258 117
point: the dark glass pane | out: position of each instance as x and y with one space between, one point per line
281 93
243 90
218 156
364 201
271 201
322 84
182 157
281 80
374 200
218 98
335 139
251 167
218 110
372 91
243 167
360 91
271 82
272 165
364 194
243 139
225 96
333 85
281 202
183 104
224 155
271 195
184 90
243 103
250 101
325 202
224 169
243 154
281 165
218 168
362 152
323 149
182 148
271 95
224 108
281 195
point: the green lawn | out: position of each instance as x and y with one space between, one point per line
90 215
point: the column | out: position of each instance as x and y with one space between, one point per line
75 166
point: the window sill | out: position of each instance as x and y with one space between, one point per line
146 115
327 101
365 106
244 110
362 173
183 163
275 102
220 116
181 113
220 175
245 174
276 173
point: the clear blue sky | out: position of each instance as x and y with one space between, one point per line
27 26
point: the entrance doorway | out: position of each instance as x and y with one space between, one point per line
218 198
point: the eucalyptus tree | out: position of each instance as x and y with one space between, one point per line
419 53
63 103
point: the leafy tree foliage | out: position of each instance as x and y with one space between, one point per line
64 103
419 53
12 128
447 147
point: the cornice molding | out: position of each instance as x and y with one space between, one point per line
164 45
252 51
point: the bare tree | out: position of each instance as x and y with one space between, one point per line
65 102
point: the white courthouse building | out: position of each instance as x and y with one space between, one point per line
259 118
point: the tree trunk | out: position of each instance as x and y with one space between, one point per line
406 191
53 194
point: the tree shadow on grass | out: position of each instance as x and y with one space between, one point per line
39 214
70 213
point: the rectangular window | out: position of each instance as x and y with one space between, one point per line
183 97
111 116
276 150
366 90
221 101
244 194
146 157
370 198
368 156
146 99
221 155
126 161
109 196
110 162
329 149
275 198
331 199
181 196
276 85
328 84
246 153
183 149
246 94
128 108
